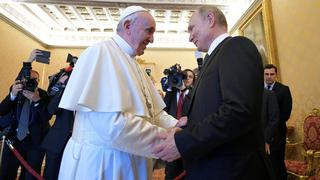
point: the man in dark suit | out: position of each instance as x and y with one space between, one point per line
284 99
60 132
25 107
172 101
270 117
224 137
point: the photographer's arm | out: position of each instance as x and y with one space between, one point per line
6 105
33 55
9 102
53 105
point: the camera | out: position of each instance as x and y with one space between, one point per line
55 86
72 59
174 77
28 83
44 58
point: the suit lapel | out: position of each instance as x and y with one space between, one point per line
203 70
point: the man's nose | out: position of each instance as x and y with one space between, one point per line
190 37
151 39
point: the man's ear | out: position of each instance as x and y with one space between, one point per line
211 19
127 26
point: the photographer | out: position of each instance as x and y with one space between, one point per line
25 111
176 102
58 135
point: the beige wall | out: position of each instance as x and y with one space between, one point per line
16 46
297 27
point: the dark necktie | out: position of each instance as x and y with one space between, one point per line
24 121
206 57
180 105
269 87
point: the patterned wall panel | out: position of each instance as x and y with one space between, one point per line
297 34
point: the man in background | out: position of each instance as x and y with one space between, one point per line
60 132
224 137
176 105
118 110
25 106
284 99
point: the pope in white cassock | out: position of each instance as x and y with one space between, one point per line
118 110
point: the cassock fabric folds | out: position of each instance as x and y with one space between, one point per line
117 118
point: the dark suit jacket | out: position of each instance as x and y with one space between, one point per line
224 138
39 117
285 105
269 115
60 131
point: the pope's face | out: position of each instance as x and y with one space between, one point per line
142 32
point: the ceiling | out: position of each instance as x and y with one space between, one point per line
80 23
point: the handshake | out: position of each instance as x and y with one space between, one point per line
167 149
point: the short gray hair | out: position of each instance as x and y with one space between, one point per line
132 18
218 14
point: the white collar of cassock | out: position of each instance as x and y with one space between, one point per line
124 45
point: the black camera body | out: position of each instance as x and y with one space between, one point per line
71 59
54 85
44 58
174 77
28 83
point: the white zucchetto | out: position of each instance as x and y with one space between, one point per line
130 10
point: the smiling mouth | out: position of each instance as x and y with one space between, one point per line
195 43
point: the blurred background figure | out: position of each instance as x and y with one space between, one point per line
176 105
61 130
25 108
284 99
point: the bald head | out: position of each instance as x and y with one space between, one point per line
205 25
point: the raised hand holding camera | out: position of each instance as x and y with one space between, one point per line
16 87
33 96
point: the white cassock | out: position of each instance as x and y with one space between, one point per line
118 114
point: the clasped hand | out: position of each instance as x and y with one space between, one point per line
167 149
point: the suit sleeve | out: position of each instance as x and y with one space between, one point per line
286 104
6 105
272 116
53 105
241 82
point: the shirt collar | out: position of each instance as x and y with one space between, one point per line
216 42
124 45
271 85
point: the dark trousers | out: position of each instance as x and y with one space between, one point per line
278 165
33 154
173 169
53 161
